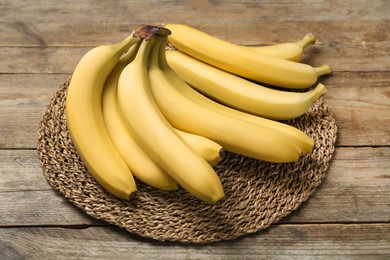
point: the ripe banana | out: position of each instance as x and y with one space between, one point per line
240 93
234 135
299 138
242 61
139 162
211 151
85 119
289 50
141 165
157 136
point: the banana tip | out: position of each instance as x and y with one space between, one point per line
321 89
132 195
323 70
307 40
217 201
222 154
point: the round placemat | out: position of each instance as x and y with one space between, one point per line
257 193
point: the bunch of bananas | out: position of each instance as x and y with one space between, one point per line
165 117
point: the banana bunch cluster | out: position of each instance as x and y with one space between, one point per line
166 117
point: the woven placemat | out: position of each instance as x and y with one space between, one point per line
258 193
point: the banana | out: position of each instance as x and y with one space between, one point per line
156 135
299 138
242 61
234 135
289 50
86 123
141 165
240 93
211 151
139 162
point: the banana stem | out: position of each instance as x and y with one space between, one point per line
306 41
147 31
322 70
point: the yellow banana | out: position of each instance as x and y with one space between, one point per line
139 162
141 165
240 93
289 50
299 138
157 136
85 119
234 135
242 61
211 151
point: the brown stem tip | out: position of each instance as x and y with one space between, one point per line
147 31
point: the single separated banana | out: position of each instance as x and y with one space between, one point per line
156 135
86 123
289 50
299 138
240 93
233 134
139 162
242 61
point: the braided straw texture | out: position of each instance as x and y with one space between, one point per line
258 193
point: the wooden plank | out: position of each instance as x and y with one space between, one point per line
40 60
328 33
21 171
26 196
337 241
40 44
23 100
141 11
360 102
62 34
370 56
40 207
355 189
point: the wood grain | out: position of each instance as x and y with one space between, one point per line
356 57
348 216
331 33
215 12
360 102
336 241
355 189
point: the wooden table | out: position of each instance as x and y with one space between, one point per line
347 217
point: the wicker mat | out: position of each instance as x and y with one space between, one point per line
258 193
